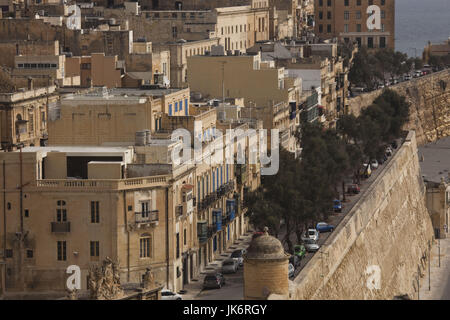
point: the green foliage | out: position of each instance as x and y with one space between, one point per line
371 68
302 192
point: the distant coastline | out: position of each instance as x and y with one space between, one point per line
419 21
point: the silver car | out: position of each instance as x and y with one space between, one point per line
311 245
230 266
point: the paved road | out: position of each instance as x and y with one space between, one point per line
234 283
336 218
232 290
440 275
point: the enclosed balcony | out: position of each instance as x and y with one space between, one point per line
60 227
147 218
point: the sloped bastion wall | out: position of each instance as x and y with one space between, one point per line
388 229
429 97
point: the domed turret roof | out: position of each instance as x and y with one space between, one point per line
266 247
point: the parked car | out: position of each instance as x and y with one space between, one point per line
291 270
311 234
169 295
299 250
389 151
374 164
213 281
407 77
365 171
324 227
311 245
238 255
337 205
382 159
295 261
417 74
230 266
353 188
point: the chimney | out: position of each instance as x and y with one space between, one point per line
30 83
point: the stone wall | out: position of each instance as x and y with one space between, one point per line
430 105
388 227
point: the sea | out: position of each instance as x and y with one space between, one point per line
420 21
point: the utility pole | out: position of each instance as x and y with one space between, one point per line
429 265
418 282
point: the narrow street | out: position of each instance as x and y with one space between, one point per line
234 283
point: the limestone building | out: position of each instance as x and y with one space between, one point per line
24 116
269 95
435 164
96 70
347 21
110 116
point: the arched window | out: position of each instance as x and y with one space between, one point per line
61 211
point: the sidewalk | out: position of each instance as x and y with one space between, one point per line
440 276
195 287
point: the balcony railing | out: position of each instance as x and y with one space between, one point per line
148 217
60 227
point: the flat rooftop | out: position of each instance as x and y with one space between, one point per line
121 95
80 150
436 160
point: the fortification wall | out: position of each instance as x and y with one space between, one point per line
430 105
388 227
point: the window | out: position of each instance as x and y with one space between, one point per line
27 213
144 247
95 212
329 15
383 2
329 28
370 42
61 250
61 212
30 254
9 253
383 14
359 41
95 248
320 28
320 15
178 246
321 3
370 2
382 42
358 28
346 28
144 209
346 3
346 15
358 2
185 237
358 14
329 3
